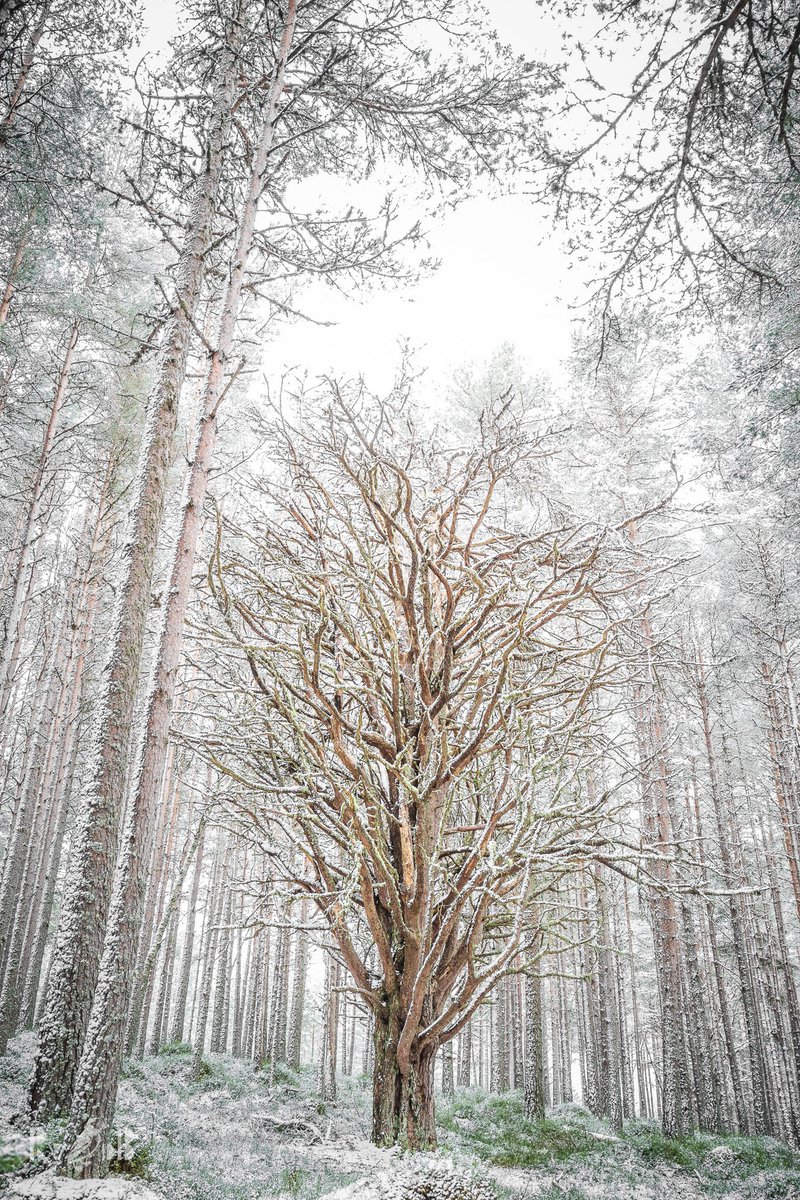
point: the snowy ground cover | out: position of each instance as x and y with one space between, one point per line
242 1135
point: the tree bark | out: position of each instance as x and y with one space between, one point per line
24 560
533 1088
402 1104
76 961
179 1017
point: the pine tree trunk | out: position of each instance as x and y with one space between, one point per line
330 1023
533 1089
219 1024
760 1121
179 1018
14 269
500 1040
448 1079
12 633
651 738
465 1056
298 991
28 56
261 1015
76 961
206 974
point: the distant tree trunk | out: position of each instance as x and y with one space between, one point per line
726 1018
219 1024
620 1006
24 558
500 1081
555 1041
565 1048
161 853
641 1070
144 981
789 827
665 920
179 1017
280 992
791 1006
262 1014
465 1056
205 976
593 1027
298 990
243 963
608 1014
14 270
330 1020
448 1080
164 985
138 1009
533 1087
760 1117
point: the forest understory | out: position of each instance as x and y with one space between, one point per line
221 1138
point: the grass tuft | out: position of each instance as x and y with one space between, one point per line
175 1049
496 1130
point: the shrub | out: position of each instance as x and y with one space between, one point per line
432 1179
495 1128
175 1048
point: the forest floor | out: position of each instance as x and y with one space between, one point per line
239 1135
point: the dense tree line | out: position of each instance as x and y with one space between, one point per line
455 752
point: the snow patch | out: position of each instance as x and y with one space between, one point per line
52 1187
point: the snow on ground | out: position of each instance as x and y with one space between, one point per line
47 1187
241 1135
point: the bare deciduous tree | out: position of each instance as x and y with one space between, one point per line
419 666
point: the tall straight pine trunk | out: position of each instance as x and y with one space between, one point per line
76 962
95 1095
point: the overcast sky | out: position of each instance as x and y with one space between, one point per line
502 276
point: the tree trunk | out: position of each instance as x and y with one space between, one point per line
402 1105
298 991
76 961
12 632
448 1080
533 1088
465 1056
16 263
28 56
179 1018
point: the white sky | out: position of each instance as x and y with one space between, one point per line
502 276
